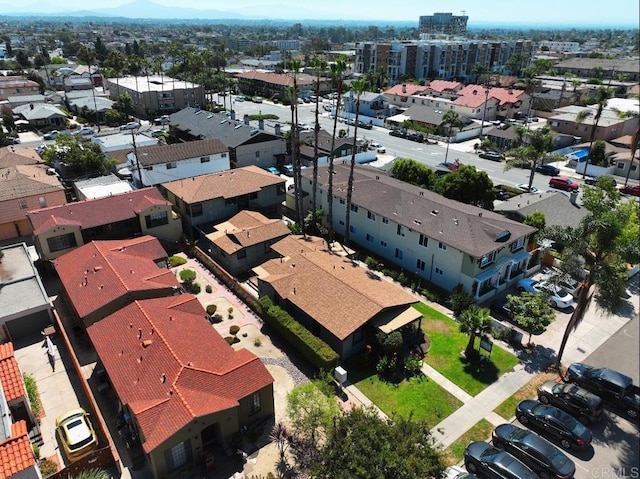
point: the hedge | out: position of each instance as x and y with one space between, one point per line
310 346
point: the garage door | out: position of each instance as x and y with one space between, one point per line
28 325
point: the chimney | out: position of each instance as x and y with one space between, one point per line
404 88
246 119
573 197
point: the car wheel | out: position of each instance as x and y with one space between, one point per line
583 419
471 467
523 419
497 443
565 444
520 289
544 399
554 304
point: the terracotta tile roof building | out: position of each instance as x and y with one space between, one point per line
330 294
103 276
10 377
16 454
178 377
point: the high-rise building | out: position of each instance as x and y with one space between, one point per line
443 23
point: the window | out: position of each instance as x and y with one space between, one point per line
254 403
58 243
354 208
205 159
371 216
196 210
341 222
23 205
424 241
157 219
442 246
439 271
420 265
385 221
342 201
171 166
487 259
620 165
223 155
242 254
148 168
43 202
517 245
401 230
370 238
383 243
353 229
178 455
257 154
399 253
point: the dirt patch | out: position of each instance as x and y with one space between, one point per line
265 349
436 326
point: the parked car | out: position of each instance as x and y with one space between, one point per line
558 297
491 155
274 170
633 190
613 387
554 424
534 451
580 403
85 131
327 107
563 183
76 434
548 170
366 126
374 146
381 149
525 187
562 280
240 98
287 169
158 133
417 137
456 472
132 125
451 166
256 99
161 120
398 133
487 460
51 135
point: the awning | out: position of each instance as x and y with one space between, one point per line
390 321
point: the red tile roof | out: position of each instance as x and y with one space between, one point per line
473 96
170 366
101 211
101 272
443 85
406 89
10 377
16 453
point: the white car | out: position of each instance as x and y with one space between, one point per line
85 131
559 297
374 146
525 187
381 149
132 125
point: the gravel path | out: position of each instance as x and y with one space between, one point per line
298 376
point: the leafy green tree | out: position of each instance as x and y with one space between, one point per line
8 121
82 157
535 219
603 95
467 185
605 241
450 120
474 321
411 171
22 57
537 145
361 444
598 153
312 409
532 312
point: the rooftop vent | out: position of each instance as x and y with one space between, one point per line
434 212
210 116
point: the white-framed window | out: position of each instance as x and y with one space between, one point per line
342 201
401 230
43 202
171 165
442 246
424 241
385 221
371 216
205 159
383 243
370 238
517 245
439 271
487 259
420 264
399 253
354 208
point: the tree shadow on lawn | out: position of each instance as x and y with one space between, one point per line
482 370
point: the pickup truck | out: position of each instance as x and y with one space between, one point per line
613 387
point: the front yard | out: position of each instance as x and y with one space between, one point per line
444 354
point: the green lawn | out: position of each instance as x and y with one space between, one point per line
444 354
481 431
418 395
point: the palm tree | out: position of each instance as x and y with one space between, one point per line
295 146
538 143
92 474
450 120
134 64
337 70
87 56
603 95
635 137
117 62
474 321
358 86
320 66
291 94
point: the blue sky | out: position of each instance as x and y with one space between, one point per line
565 12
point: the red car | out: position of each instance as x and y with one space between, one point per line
633 190
563 183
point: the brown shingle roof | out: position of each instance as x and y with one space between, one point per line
100 272
170 366
330 288
101 211
226 184
10 377
16 453
21 181
18 155
467 228
245 229
159 154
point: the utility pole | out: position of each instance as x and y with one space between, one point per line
135 153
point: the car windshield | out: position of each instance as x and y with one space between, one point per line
81 444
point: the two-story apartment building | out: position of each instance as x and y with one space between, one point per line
158 164
60 229
246 145
441 240
15 86
372 104
273 85
205 200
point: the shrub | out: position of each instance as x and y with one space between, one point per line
211 309
230 339
195 288
313 348
257 342
36 451
371 263
176 261
47 467
234 329
217 318
32 392
391 343
208 288
187 275
412 365
459 301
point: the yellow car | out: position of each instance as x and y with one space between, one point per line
76 434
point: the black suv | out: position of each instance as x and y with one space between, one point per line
580 403
398 133
415 137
